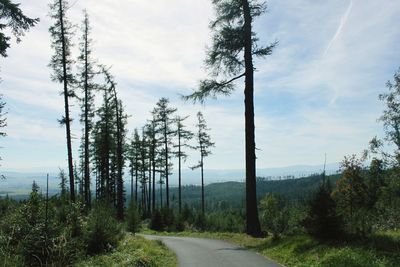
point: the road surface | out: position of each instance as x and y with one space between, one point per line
199 252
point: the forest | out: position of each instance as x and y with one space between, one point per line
350 218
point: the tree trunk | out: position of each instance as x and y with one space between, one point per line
120 182
252 222
67 119
166 162
132 185
161 197
179 170
202 187
149 195
154 178
136 179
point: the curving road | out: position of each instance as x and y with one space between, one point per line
199 252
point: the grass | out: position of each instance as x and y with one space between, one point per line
383 249
134 251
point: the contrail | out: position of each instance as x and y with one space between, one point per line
339 29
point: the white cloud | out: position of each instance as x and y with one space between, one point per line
332 61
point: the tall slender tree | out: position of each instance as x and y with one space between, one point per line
120 134
61 63
152 144
87 84
183 137
164 115
134 156
204 145
229 59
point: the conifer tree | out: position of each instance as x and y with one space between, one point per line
134 155
120 121
229 59
87 84
152 144
61 63
164 114
143 171
103 145
204 145
183 137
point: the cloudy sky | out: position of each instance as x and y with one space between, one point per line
317 93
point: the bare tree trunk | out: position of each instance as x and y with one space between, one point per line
202 186
136 180
154 181
179 171
149 195
252 221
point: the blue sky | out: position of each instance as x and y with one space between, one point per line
316 94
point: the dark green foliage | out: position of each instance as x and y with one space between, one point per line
322 220
163 220
102 230
133 218
37 241
200 221
157 222
223 221
180 223
12 17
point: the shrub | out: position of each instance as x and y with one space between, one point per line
156 222
102 231
133 218
274 214
322 220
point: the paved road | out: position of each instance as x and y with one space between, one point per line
199 252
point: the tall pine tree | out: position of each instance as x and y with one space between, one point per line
203 145
164 114
61 63
183 135
87 84
229 59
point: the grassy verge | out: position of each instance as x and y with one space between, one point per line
134 251
302 250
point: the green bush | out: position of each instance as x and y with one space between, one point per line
322 221
274 214
133 218
102 231
156 222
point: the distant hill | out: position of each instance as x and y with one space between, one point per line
231 195
219 196
19 183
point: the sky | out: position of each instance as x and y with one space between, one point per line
317 93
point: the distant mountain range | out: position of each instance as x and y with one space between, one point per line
20 183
